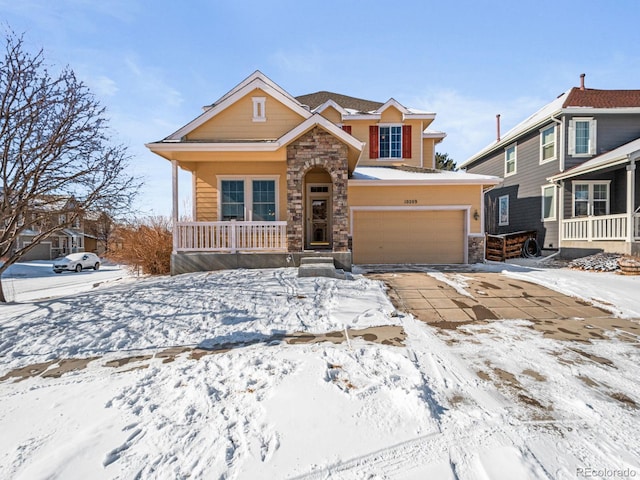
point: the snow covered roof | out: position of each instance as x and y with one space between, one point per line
617 156
403 175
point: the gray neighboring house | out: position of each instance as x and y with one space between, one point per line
569 173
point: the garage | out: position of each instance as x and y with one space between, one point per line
409 236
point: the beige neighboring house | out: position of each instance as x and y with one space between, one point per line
45 213
277 178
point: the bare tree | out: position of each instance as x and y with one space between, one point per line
54 144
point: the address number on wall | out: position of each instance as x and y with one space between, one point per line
411 202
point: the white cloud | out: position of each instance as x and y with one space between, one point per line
102 86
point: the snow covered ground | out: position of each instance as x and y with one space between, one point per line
496 401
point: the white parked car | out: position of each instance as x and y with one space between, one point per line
75 262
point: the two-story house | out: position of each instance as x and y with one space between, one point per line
569 173
46 213
277 178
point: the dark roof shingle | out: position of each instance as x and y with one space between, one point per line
314 100
590 97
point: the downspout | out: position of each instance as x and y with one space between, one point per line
560 202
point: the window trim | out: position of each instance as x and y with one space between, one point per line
389 125
248 194
592 136
590 198
554 200
502 223
542 145
515 159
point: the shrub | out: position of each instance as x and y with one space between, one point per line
146 244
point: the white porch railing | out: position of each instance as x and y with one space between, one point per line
601 227
230 236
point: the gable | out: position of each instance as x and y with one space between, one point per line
331 114
236 122
391 115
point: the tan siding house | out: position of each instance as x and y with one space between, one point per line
278 178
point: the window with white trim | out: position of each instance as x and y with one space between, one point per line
582 136
548 202
259 113
503 210
590 198
510 160
252 199
390 143
548 144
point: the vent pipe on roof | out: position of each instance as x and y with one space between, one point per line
498 127
582 75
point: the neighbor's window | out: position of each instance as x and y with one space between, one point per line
503 210
590 198
510 160
264 200
549 202
391 142
548 144
232 203
582 136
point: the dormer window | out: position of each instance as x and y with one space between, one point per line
259 114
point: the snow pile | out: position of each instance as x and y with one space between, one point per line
600 262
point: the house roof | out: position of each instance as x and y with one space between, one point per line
574 98
314 100
590 97
620 155
404 175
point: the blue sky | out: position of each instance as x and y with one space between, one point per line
154 64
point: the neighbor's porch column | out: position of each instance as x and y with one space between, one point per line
174 210
631 200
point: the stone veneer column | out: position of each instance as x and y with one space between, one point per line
476 248
317 148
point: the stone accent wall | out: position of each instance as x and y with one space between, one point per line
476 249
317 148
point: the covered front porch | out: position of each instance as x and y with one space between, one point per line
599 207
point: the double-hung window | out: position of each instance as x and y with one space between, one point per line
510 160
548 202
582 136
590 198
548 144
391 141
248 199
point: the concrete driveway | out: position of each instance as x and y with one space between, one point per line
488 297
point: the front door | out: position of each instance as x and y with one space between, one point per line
318 215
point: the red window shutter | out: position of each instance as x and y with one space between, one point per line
406 141
347 128
373 141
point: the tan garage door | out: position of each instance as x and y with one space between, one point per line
408 236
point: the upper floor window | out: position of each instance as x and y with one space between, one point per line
582 136
259 113
391 142
510 160
548 144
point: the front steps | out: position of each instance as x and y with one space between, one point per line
319 267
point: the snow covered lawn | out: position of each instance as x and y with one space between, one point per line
493 401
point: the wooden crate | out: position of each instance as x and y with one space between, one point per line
509 245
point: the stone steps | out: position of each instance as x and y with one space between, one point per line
319 267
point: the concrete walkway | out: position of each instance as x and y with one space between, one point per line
492 296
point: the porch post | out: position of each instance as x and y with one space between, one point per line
631 183
174 211
560 213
